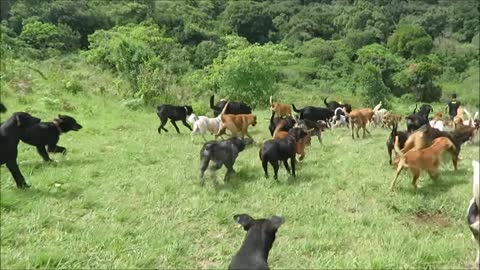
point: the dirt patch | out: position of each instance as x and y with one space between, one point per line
436 219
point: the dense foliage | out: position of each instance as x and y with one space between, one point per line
248 50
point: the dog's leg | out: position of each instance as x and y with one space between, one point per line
399 170
358 131
454 159
43 152
433 174
285 163
415 175
265 167
275 169
17 175
230 171
186 124
163 122
175 126
203 168
213 169
292 162
56 149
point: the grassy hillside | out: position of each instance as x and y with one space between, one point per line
127 197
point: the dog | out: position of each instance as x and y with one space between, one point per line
427 159
284 123
402 138
333 105
360 118
253 253
391 119
236 123
280 109
300 145
437 121
235 107
204 124
473 211
317 127
418 119
3 109
339 118
314 113
273 151
221 153
10 133
174 113
47 134
424 136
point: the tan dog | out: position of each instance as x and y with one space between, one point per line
236 123
427 159
280 109
360 118
391 119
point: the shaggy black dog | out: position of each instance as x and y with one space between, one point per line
174 113
221 153
286 123
10 133
418 119
257 244
402 138
2 108
314 113
47 134
273 151
234 107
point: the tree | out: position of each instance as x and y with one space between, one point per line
372 88
46 35
410 41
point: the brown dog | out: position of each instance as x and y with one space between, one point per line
427 159
300 145
360 118
236 123
391 119
280 109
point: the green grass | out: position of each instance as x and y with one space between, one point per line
127 197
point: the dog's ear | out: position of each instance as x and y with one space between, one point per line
245 220
277 221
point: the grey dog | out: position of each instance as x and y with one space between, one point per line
221 153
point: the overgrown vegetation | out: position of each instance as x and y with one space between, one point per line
248 50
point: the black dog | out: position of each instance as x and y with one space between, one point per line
286 123
333 105
47 134
273 151
221 153
10 133
402 138
314 113
2 108
418 119
234 107
257 244
317 126
174 113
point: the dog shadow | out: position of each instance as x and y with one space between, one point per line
446 181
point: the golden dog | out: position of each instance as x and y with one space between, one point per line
360 118
280 109
236 123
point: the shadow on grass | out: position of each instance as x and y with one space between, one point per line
434 188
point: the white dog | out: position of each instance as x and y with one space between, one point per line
338 119
204 124
474 209
438 124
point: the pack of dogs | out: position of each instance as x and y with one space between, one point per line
418 149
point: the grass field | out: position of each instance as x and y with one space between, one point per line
127 197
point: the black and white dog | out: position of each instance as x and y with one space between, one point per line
221 153
473 212
253 253
234 107
47 134
174 113
10 133
314 113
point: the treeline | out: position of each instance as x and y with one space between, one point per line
248 50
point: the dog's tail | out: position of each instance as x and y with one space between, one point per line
397 148
377 107
271 97
325 101
223 111
415 110
212 105
295 109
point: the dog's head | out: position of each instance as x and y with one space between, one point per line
297 133
241 143
189 109
252 119
425 109
67 123
23 119
267 228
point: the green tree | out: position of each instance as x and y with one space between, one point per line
46 35
373 90
410 41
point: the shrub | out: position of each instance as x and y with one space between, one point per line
373 90
410 41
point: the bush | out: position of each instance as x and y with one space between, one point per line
372 88
42 36
410 41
